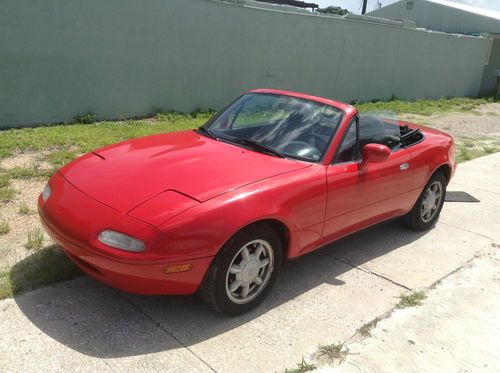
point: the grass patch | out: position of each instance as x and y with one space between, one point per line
7 194
424 107
364 331
176 117
4 181
85 137
465 152
24 209
35 239
45 267
60 158
411 300
5 288
302 367
4 228
88 118
29 172
491 149
82 138
334 351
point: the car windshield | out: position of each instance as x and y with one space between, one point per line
276 124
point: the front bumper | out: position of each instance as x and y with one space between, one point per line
74 220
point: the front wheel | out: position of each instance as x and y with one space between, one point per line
243 272
428 206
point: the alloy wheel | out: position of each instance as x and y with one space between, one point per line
249 271
431 201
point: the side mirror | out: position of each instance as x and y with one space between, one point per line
375 153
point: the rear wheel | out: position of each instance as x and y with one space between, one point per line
243 272
428 206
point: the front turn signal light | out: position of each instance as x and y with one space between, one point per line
178 268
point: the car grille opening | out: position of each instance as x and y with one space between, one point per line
86 266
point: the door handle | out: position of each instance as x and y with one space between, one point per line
404 166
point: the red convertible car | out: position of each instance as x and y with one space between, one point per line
217 210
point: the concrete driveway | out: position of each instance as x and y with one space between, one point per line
321 298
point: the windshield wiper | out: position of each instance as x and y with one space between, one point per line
254 145
207 132
258 147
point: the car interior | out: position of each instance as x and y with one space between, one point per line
374 130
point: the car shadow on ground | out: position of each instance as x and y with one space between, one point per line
99 321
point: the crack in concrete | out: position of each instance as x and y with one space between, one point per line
367 271
467 264
359 336
165 330
109 366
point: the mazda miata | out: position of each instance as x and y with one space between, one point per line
217 210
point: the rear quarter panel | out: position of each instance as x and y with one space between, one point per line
435 150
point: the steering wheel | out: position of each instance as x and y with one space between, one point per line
322 142
302 149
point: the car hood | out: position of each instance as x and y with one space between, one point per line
127 174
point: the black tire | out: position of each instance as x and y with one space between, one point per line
213 288
414 219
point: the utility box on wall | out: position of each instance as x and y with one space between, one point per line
497 95
491 69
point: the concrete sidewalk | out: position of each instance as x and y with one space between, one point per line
457 329
319 299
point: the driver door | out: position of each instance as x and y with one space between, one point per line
360 194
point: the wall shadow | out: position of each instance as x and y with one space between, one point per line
99 321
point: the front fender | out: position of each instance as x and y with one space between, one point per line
296 199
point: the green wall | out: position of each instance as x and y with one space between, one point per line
124 58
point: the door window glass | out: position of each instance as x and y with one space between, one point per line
349 149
